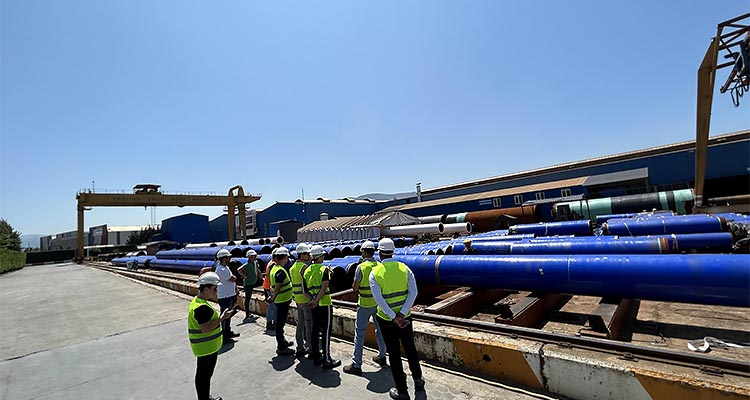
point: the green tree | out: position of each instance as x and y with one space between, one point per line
143 236
9 238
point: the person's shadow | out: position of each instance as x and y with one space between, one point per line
317 376
226 346
282 363
380 381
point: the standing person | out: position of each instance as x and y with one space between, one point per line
394 289
250 272
270 306
316 280
367 308
227 291
304 314
282 298
204 332
468 249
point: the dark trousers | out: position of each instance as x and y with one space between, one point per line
203 373
282 312
396 337
226 303
322 318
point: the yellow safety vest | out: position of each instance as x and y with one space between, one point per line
295 274
285 294
393 280
314 281
201 343
365 294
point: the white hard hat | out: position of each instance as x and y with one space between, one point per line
317 251
209 278
281 251
386 245
223 253
303 248
368 245
251 252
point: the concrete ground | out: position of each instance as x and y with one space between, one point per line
74 332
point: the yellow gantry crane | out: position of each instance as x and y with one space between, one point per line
733 38
149 195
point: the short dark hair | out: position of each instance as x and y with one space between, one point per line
278 257
204 287
368 251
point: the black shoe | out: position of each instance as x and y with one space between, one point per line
419 384
270 326
395 395
330 364
351 369
289 343
214 398
382 361
233 334
300 353
285 352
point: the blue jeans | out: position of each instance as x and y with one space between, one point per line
364 314
270 309
224 304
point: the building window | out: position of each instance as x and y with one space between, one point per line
539 195
496 202
565 192
518 199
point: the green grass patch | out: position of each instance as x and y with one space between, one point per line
11 260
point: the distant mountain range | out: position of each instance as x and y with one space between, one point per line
30 240
386 196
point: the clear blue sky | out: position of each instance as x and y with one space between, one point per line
342 98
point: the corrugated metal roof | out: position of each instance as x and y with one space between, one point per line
670 148
494 193
620 176
387 218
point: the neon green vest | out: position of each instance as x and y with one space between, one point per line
365 294
314 281
203 344
285 294
394 285
295 274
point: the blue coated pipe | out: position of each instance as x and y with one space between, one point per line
199 253
600 219
696 278
630 245
699 223
581 228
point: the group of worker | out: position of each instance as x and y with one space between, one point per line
386 292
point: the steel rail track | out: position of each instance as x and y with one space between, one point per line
625 351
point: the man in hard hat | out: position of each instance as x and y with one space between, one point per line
366 310
394 289
468 250
304 314
204 332
315 284
281 297
227 290
270 306
250 272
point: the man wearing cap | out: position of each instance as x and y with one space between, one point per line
204 332
468 249
366 310
304 314
281 297
250 272
394 289
227 290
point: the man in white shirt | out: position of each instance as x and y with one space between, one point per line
227 295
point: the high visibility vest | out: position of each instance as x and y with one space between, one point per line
295 274
393 280
201 343
314 282
365 294
285 294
